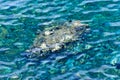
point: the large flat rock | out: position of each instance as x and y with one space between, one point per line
55 38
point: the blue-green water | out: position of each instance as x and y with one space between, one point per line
95 60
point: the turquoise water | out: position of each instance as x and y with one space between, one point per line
96 58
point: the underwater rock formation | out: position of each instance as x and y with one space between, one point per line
55 38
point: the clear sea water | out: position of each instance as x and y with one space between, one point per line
96 58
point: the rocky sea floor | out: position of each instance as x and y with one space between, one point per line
97 57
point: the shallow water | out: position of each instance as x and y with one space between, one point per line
96 58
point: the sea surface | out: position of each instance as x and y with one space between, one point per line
97 57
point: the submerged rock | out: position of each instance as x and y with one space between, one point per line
55 38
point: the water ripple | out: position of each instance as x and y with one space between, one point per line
96 58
